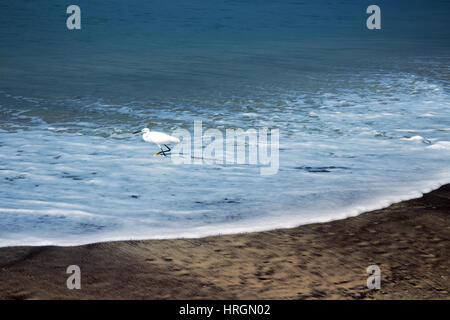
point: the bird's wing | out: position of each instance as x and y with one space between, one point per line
161 136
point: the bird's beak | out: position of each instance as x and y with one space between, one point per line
136 131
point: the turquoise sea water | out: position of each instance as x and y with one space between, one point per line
364 115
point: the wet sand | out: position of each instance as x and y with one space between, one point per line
409 241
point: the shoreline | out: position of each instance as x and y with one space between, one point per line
384 204
409 241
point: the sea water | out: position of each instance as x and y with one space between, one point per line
363 115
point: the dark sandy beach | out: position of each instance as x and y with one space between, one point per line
409 241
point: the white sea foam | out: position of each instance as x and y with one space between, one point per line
75 181
444 145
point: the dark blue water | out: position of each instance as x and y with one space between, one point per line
143 49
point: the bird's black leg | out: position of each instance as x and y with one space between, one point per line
168 149
163 152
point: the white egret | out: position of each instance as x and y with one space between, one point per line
159 138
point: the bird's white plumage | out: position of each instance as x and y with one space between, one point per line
158 137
